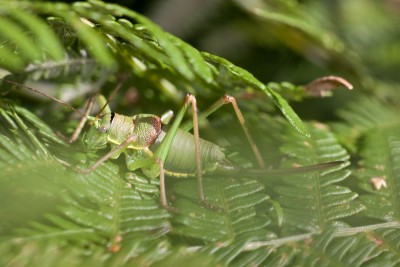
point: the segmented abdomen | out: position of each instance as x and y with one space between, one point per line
181 160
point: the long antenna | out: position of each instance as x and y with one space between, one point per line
43 94
121 80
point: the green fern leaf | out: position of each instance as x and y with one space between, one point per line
40 43
377 127
44 36
83 218
175 56
358 250
238 199
312 201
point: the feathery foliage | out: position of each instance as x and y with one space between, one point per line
314 201
53 214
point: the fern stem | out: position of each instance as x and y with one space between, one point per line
339 233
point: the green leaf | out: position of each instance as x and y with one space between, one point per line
355 250
312 201
54 215
377 127
175 55
15 34
238 200
42 32
240 75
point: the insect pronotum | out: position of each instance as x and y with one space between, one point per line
158 149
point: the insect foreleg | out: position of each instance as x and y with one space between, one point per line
116 150
227 99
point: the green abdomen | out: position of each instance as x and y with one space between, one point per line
181 160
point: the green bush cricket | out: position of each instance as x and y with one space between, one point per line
159 149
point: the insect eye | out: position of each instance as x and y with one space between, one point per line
102 129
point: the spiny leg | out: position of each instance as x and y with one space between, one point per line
227 99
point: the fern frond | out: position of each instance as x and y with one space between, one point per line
366 249
377 127
372 245
364 116
69 66
292 24
13 119
227 254
34 253
26 34
105 210
151 253
238 200
52 207
313 201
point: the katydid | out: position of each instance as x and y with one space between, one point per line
159 149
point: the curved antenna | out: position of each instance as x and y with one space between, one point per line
121 80
46 95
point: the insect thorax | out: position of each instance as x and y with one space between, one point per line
146 128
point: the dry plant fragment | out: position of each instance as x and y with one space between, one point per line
378 183
322 86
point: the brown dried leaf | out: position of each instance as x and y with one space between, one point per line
322 86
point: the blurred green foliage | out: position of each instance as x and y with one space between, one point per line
261 52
